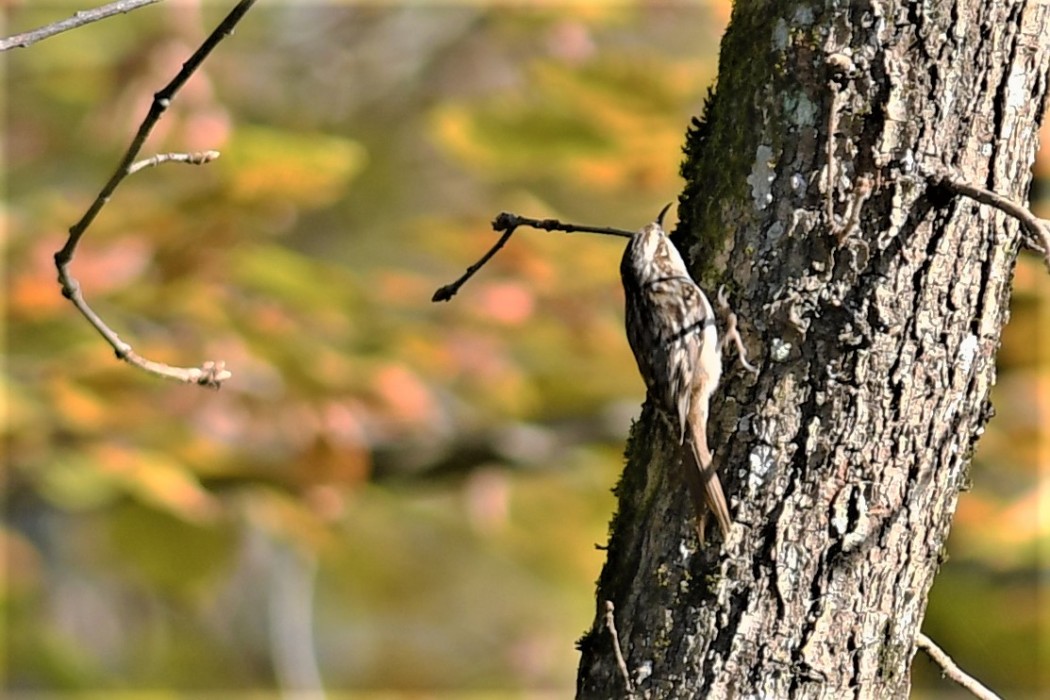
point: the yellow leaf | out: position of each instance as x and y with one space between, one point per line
157 480
308 169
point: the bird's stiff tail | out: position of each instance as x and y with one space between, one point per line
705 489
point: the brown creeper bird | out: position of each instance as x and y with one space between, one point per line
671 330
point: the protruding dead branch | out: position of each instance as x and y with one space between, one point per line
1038 229
621 663
952 670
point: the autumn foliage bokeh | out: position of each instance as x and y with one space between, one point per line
413 491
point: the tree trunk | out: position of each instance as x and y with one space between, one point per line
873 303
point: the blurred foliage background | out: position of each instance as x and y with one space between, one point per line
389 494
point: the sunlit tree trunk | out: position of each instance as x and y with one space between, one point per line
873 302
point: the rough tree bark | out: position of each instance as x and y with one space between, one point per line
873 302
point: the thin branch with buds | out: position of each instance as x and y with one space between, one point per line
952 670
508 223
196 158
79 19
210 374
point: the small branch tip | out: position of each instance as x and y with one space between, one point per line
504 221
444 293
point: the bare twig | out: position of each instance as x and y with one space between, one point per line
1038 229
507 223
448 291
610 624
79 19
952 670
210 373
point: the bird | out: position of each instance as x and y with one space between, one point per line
670 327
